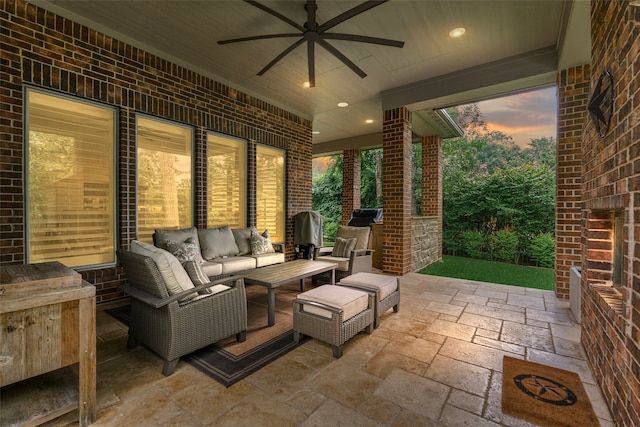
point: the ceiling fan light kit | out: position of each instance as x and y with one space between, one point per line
314 33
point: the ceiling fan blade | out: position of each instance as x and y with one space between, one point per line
312 62
266 36
311 15
363 39
346 61
363 7
276 14
279 57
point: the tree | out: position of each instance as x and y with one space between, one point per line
327 197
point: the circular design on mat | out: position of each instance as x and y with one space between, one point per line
545 390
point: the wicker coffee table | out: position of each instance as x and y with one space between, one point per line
275 275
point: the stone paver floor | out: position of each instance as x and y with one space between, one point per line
437 362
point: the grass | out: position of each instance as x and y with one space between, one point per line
493 272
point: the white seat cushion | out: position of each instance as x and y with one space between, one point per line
268 259
234 264
385 284
343 263
211 268
350 301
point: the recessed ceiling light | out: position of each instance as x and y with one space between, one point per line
457 32
315 132
369 121
343 104
306 84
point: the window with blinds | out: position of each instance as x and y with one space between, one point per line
226 181
70 180
165 176
270 203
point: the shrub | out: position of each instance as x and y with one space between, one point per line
472 244
543 249
504 246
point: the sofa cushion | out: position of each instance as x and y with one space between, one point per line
360 233
174 275
211 268
261 243
186 251
243 239
177 235
350 301
343 263
235 264
385 285
268 259
343 247
217 242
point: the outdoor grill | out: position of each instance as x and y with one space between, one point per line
365 217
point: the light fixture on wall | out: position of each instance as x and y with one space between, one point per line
601 104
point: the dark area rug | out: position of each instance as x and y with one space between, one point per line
228 361
545 395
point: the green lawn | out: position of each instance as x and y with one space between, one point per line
493 272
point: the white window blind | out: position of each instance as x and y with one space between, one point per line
165 172
70 179
226 180
270 203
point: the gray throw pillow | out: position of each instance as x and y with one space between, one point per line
243 239
162 235
217 242
194 270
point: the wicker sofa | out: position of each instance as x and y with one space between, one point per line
176 323
225 250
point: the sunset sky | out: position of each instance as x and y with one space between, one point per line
524 116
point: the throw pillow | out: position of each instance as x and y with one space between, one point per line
161 236
217 242
174 275
194 270
185 251
261 244
243 239
343 247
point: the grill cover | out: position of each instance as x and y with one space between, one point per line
364 217
307 228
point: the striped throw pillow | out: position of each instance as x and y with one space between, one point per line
343 247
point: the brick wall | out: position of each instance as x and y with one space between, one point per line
48 51
611 183
573 96
351 172
396 172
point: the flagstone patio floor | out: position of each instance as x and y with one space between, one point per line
437 362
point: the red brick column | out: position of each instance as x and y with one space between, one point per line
351 171
432 181
396 172
573 96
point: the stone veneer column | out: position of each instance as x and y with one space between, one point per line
432 181
396 145
351 170
573 96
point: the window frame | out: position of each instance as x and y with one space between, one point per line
137 167
115 225
243 176
283 218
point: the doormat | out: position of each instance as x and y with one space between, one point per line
228 361
545 395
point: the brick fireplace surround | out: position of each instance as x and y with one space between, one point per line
595 175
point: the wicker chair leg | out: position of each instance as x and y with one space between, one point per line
337 351
170 366
396 308
297 336
241 336
131 342
369 328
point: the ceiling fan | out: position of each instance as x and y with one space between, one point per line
314 33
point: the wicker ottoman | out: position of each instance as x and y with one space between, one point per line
385 288
332 314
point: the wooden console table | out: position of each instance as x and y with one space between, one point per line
47 322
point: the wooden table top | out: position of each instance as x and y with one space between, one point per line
278 274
